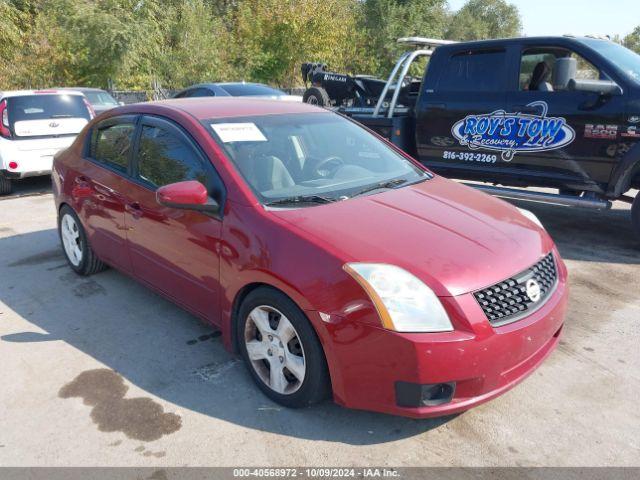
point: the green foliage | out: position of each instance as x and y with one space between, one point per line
133 44
632 41
387 20
484 19
269 39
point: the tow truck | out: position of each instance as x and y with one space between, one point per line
551 112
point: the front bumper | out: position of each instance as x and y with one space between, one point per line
367 361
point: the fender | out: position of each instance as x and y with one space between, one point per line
623 173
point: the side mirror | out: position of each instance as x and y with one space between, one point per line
120 103
189 195
601 87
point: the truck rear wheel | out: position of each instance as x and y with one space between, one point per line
316 96
635 215
5 185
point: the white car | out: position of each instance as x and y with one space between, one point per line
34 126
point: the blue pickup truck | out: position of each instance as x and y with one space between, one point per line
555 112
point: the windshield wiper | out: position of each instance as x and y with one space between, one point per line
378 186
61 116
301 199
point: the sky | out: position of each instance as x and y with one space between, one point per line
577 17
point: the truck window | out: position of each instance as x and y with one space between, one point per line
540 69
481 71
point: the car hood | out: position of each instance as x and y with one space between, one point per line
456 239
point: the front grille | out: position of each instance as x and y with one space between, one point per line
510 300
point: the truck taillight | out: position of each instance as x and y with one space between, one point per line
4 123
92 112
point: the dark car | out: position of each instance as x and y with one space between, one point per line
236 89
332 262
100 100
556 112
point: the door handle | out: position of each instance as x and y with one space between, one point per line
134 209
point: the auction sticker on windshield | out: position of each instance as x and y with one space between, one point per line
510 133
238 132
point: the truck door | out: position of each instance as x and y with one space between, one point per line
459 83
568 138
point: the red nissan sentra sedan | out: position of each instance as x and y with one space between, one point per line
332 262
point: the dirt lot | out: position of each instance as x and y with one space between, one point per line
101 371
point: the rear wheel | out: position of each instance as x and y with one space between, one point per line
635 215
316 96
5 185
75 245
281 349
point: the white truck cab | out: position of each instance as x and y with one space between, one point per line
34 126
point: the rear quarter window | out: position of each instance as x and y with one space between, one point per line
480 71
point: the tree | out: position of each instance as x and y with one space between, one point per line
632 41
484 19
387 20
268 40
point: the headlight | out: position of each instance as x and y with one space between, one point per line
531 216
404 303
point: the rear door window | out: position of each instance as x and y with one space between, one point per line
111 145
46 114
479 71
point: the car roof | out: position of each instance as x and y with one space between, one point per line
223 84
52 91
203 108
226 84
502 42
83 89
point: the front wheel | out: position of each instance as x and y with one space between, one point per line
635 215
281 349
75 245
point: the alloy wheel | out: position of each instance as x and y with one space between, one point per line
71 240
274 349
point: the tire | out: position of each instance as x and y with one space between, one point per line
635 215
5 185
71 232
316 96
268 307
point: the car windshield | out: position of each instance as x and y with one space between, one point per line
311 158
625 59
100 98
250 90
